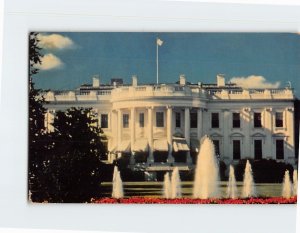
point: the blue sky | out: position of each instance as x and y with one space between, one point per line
73 58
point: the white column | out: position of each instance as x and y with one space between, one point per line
227 125
199 123
132 134
119 130
187 132
289 145
247 126
150 134
113 120
267 143
169 134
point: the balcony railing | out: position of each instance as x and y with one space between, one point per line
132 92
155 91
251 94
77 96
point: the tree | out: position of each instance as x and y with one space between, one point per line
36 135
63 166
74 168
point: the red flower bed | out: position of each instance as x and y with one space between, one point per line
150 200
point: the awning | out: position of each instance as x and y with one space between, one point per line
160 145
180 144
141 145
195 145
112 146
124 146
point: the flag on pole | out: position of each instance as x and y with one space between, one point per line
159 42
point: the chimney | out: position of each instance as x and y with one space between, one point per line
134 80
96 81
220 80
182 79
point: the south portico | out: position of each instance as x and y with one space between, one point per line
160 131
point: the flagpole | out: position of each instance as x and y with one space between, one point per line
156 62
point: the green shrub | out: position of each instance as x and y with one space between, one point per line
264 170
222 171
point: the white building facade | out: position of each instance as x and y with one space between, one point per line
158 126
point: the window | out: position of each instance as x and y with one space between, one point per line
104 121
193 122
279 119
217 146
215 120
257 149
279 149
236 122
257 120
142 120
177 120
236 144
159 119
125 120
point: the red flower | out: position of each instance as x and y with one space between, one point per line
185 200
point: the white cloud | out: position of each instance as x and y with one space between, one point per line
254 81
55 41
49 61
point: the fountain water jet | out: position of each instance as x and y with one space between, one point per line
175 184
295 183
231 188
287 185
207 171
167 186
248 183
117 190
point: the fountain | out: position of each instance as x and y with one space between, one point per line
248 183
287 185
175 184
207 171
167 186
117 190
231 188
295 183
30 196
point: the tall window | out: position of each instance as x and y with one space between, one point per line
279 149
217 146
125 120
104 121
193 122
258 149
236 149
142 120
279 119
257 120
215 120
159 119
177 120
236 122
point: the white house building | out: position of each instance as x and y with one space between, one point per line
158 126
